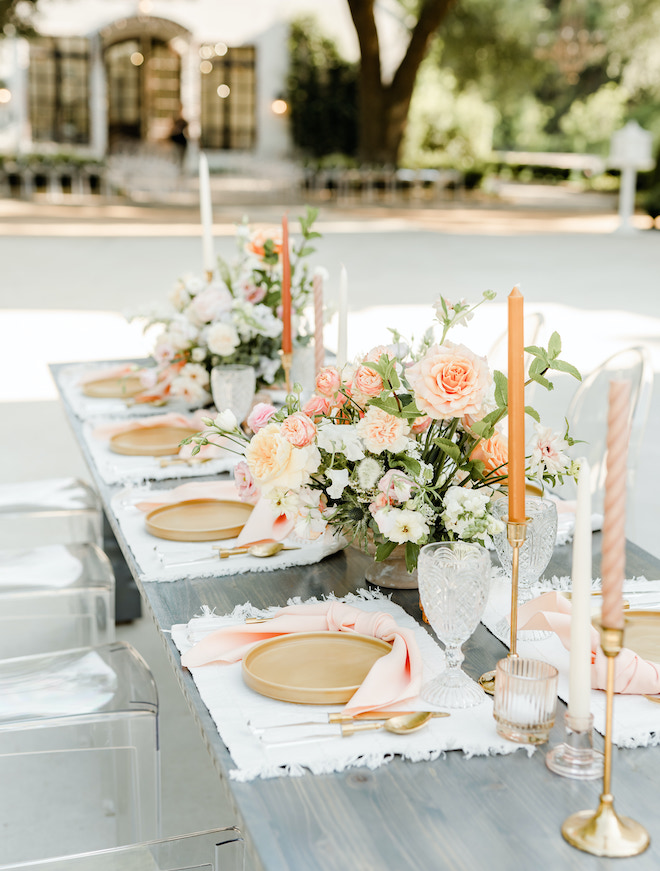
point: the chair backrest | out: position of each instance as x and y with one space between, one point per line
78 752
498 355
215 850
56 597
588 409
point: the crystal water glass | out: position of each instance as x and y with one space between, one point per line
535 552
233 387
454 580
525 699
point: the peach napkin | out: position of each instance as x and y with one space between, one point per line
261 523
105 432
395 678
633 674
110 372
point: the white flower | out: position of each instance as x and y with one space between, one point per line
283 502
198 355
467 513
195 372
401 524
548 453
209 304
458 312
190 390
226 420
222 339
181 332
368 473
268 369
179 297
339 479
338 438
194 284
254 320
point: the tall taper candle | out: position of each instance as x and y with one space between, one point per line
319 350
286 289
613 563
516 377
580 667
208 254
342 327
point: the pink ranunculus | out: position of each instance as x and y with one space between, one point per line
396 486
208 305
494 453
298 429
260 415
328 381
367 381
381 431
247 489
252 293
316 406
450 381
379 502
420 425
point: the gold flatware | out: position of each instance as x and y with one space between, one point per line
347 718
262 550
401 725
184 461
653 699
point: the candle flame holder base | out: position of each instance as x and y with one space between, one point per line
516 533
576 757
602 832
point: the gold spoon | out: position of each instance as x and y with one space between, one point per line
268 548
653 698
401 725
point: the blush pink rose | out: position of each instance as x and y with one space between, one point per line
253 294
367 381
316 406
494 453
328 381
247 489
208 305
420 425
396 486
298 429
379 502
260 416
450 381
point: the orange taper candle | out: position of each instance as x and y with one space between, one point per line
286 289
516 409
613 563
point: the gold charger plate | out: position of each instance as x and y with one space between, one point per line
150 441
641 633
198 520
312 668
122 387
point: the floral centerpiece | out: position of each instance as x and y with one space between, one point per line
400 448
235 318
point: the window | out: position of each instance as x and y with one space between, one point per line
59 90
228 97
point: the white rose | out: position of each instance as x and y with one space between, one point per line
222 339
401 525
339 479
226 420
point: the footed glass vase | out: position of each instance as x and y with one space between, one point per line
390 573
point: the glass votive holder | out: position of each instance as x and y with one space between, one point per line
576 757
525 699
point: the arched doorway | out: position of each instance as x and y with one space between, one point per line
142 58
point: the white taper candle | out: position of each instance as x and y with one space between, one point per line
580 667
342 327
208 254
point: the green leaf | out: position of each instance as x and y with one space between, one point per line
541 380
410 464
412 552
532 412
554 345
388 404
384 550
562 366
536 351
449 447
501 388
306 251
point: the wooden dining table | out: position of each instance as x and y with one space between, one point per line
502 813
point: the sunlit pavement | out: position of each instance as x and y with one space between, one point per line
70 273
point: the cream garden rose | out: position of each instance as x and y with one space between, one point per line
381 431
222 339
275 463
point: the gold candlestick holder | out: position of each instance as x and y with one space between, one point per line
603 832
209 275
287 360
516 532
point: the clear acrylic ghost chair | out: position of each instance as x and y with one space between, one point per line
49 511
55 597
498 355
587 418
79 759
213 850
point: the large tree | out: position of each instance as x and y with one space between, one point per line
384 106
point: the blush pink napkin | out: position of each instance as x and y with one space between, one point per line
261 524
192 421
393 679
633 674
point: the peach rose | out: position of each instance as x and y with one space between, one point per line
450 381
367 381
260 415
379 502
257 241
298 429
328 381
316 406
419 425
275 463
494 453
381 431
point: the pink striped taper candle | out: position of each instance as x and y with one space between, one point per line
319 350
613 565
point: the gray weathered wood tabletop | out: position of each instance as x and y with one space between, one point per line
458 814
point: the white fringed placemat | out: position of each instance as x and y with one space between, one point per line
636 719
233 706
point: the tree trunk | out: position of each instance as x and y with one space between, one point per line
384 109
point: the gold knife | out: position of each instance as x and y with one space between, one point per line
346 718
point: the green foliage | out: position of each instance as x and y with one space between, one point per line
322 93
16 17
